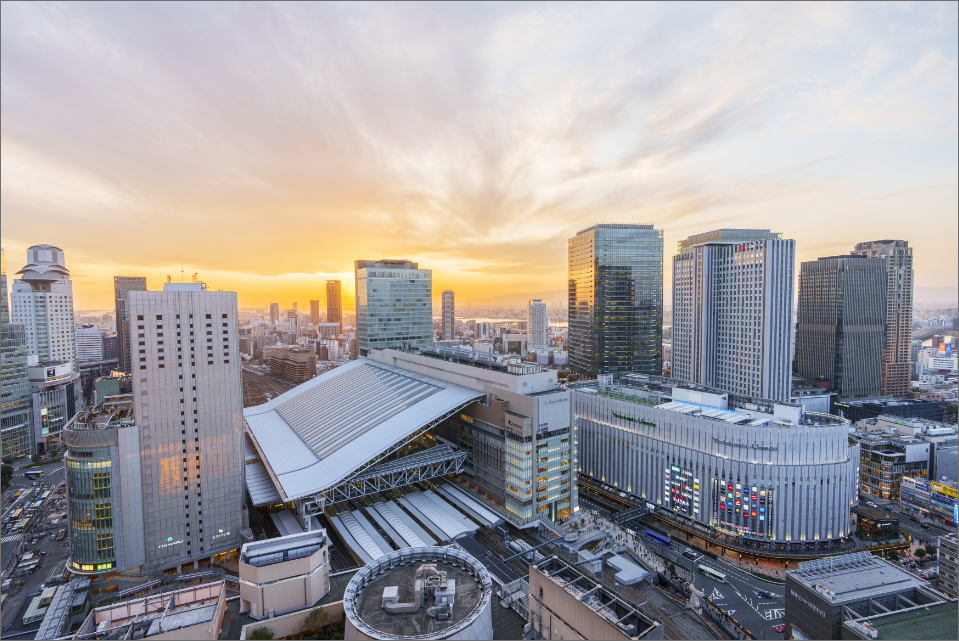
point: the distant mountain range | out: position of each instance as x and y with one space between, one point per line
519 300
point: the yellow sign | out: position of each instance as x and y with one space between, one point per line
945 489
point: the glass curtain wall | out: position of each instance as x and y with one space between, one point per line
616 299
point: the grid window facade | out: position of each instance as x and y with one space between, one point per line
732 312
394 304
616 299
840 328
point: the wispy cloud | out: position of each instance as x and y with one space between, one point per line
273 139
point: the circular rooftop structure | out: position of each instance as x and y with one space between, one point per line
420 593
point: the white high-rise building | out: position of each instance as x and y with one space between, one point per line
89 344
188 404
537 325
449 315
484 331
394 304
733 312
42 301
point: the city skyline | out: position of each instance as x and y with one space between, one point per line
521 126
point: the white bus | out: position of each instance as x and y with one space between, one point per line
712 574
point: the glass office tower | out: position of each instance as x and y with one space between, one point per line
394 304
616 299
15 414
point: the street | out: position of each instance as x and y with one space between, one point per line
741 596
35 543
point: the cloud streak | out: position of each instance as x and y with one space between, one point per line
271 139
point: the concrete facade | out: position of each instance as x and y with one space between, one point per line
733 312
121 286
449 315
334 302
16 419
283 575
566 604
520 439
821 594
898 318
537 325
777 478
840 328
188 404
42 301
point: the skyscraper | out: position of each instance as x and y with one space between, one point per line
840 328
89 344
449 315
121 286
394 304
732 312
315 312
896 374
16 425
188 405
334 302
274 313
537 325
616 299
42 301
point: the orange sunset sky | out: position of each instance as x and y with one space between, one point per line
268 146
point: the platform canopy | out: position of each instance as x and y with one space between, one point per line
319 434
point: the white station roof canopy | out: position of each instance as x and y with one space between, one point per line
316 435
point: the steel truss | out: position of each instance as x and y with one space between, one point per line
376 476
436 461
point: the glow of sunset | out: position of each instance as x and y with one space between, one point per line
268 146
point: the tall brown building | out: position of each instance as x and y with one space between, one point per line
122 285
899 287
315 312
334 302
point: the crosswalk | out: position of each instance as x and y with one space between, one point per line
11 538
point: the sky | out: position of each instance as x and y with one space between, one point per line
266 147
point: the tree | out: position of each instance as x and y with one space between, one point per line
6 473
261 632
920 553
314 622
893 555
930 549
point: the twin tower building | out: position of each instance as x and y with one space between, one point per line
733 311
